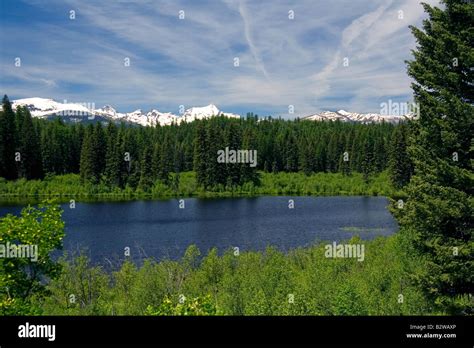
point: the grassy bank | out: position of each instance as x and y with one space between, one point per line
320 184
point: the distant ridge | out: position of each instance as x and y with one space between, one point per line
44 108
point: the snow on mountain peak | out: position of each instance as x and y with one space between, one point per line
202 112
108 108
41 107
346 116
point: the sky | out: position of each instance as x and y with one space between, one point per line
270 57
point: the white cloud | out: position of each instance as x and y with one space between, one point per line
190 61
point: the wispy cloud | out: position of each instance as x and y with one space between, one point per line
248 37
190 61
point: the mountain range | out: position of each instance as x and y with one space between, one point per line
79 112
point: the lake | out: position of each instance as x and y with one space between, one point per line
161 229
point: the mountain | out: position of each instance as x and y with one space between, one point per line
73 112
345 116
49 108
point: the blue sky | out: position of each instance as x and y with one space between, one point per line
190 61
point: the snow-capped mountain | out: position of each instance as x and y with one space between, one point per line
204 112
345 116
41 107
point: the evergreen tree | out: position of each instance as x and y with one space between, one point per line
146 171
215 171
201 151
307 157
438 214
8 136
156 161
232 140
31 164
166 162
332 154
19 119
291 154
99 147
87 167
248 173
113 158
368 165
400 164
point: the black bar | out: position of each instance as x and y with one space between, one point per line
242 330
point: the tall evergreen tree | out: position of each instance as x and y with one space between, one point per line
248 173
400 164
232 140
99 147
368 164
8 168
113 158
291 152
146 169
166 159
87 167
215 171
31 166
438 213
156 160
201 150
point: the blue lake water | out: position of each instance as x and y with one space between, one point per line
161 229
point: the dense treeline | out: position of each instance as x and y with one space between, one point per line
121 156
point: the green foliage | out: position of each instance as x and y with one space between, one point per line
79 289
439 210
400 164
8 141
130 157
197 306
300 282
70 186
23 277
31 166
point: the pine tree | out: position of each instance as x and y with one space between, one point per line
216 172
87 166
113 158
248 173
201 150
400 164
99 147
8 136
307 157
232 140
332 153
31 164
19 118
156 161
146 171
291 155
368 164
166 159
438 213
